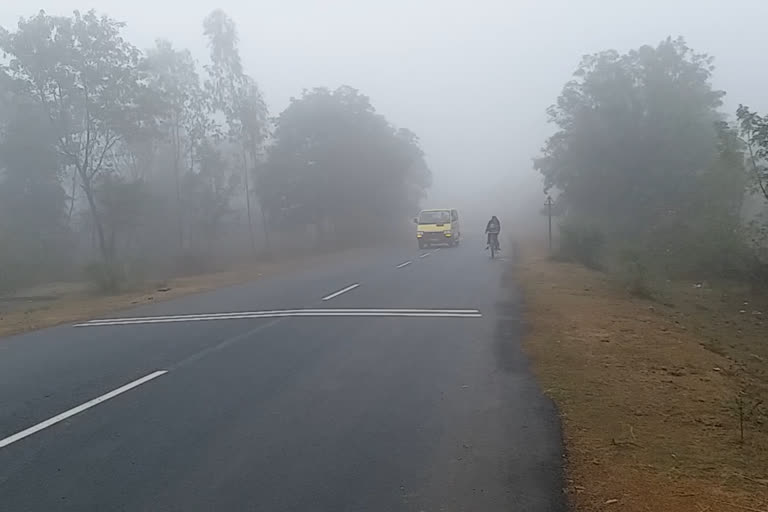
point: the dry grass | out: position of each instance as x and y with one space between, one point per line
66 303
647 390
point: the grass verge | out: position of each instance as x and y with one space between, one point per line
650 392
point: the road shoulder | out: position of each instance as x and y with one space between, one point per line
69 303
647 404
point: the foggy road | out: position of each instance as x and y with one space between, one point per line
389 380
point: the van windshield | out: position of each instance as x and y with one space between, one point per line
439 217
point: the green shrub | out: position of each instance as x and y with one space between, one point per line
107 277
581 244
633 272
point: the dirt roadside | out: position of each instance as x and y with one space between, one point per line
60 303
650 391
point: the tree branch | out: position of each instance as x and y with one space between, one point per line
109 144
755 167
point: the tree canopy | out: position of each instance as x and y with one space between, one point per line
643 153
118 160
334 159
635 132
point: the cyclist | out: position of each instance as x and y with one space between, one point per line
493 228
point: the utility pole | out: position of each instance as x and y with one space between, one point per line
549 216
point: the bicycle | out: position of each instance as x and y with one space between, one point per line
493 243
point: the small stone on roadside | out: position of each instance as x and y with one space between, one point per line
611 502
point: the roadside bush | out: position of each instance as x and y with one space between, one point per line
107 278
580 244
634 274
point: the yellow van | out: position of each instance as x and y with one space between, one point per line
438 227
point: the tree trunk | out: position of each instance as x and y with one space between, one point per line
72 198
264 223
248 202
176 170
265 227
110 279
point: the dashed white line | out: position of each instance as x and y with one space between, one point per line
424 255
404 264
80 408
343 290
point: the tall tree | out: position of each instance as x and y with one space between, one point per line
237 96
210 192
33 232
641 148
182 111
753 130
336 160
83 74
634 131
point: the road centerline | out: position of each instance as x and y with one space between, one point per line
424 255
404 264
80 408
342 291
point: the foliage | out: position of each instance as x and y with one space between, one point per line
580 243
753 129
182 110
635 130
132 160
237 97
33 233
642 152
209 193
83 74
635 274
336 161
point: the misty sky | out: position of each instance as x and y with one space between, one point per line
471 78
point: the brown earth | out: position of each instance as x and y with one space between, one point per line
649 390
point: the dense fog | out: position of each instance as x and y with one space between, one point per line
454 97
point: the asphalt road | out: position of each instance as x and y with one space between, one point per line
407 392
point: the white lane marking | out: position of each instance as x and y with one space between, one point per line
424 255
80 408
404 264
343 290
422 313
438 249
224 316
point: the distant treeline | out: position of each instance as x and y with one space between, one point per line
651 175
124 163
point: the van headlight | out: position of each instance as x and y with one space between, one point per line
419 233
448 233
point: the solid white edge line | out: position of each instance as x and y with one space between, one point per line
424 255
284 315
343 290
224 316
404 264
80 408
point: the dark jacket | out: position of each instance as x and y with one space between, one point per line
493 226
